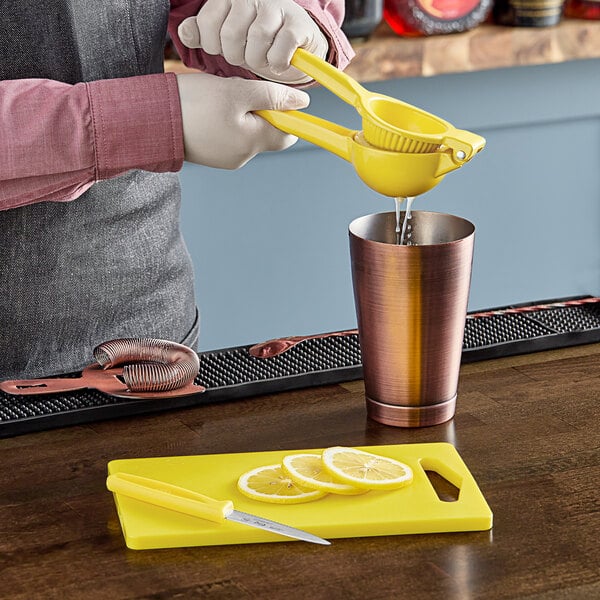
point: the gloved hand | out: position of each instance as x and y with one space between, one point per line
219 126
258 35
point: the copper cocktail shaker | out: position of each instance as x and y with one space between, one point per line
411 305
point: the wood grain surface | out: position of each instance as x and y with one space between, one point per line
527 427
388 56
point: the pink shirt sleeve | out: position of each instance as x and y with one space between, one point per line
328 14
58 139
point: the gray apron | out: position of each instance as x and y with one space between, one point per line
111 263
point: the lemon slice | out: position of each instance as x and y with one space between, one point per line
307 470
365 470
271 484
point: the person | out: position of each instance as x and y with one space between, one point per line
93 133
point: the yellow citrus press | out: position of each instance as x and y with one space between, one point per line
402 150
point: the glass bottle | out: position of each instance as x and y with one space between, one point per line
431 17
362 17
582 9
523 13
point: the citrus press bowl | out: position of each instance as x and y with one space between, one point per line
401 150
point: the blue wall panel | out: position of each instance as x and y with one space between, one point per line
270 242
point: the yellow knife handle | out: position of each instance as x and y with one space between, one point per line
172 497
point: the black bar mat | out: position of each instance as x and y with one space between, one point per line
232 373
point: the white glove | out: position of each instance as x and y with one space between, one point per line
258 35
219 126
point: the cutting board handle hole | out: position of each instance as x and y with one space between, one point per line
446 491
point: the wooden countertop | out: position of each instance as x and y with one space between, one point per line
526 426
388 56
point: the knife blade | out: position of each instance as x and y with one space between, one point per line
172 497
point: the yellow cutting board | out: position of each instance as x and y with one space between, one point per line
413 509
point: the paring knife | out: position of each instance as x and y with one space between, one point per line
172 497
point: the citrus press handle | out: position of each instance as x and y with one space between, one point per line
330 136
172 497
327 75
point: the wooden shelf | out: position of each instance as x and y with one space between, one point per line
388 56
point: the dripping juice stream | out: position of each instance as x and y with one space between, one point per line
403 231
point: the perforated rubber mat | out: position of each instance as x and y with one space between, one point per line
232 373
